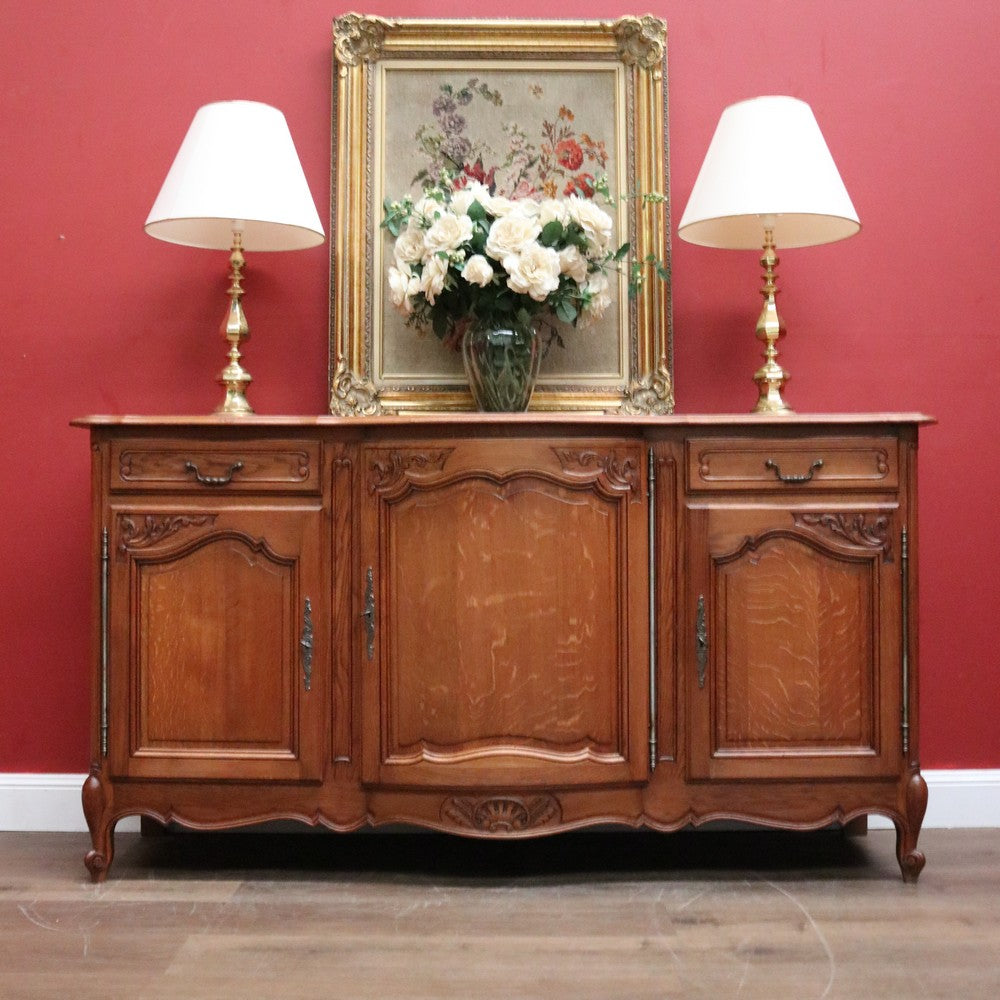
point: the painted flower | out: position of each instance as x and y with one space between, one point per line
582 185
569 154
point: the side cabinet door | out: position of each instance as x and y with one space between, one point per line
217 639
507 638
793 643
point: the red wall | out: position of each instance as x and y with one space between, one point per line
97 317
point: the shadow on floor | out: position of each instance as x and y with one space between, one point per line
719 855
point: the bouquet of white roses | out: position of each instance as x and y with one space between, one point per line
463 255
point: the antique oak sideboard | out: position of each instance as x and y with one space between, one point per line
505 626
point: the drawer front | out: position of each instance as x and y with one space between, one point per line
799 464
245 467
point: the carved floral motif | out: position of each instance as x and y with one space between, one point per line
141 533
853 528
501 814
385 473
622 472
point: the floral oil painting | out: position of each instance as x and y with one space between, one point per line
523 133
568 114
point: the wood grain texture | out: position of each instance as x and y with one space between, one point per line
749 914
534 662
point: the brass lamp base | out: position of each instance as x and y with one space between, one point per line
770 377
234 378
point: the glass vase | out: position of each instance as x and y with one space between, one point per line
501 364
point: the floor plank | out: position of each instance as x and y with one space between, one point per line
592 916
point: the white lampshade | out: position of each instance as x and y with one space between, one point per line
237 169
768 161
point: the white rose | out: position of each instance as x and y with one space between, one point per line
534 271
448 233
402 286
510 235
598 293
573 263
409 248
499 206
425 211
478 271
552 210
432 278
462 199
595 223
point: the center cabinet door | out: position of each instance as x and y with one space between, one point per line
504 632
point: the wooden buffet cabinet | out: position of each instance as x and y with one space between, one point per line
504 626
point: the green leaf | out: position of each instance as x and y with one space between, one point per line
566 311
551 234
622 252
476 212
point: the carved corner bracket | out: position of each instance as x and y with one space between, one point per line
386 470
359 38
620 472
140 533
652 395
351 396
854 528
641 40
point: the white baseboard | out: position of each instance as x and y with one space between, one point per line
51 802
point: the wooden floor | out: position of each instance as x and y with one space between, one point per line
596 916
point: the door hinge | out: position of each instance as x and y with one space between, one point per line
651 487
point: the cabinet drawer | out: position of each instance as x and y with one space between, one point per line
799 464
253 466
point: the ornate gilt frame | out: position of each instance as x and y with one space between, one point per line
365 50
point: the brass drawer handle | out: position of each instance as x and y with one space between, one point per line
771 464
213 480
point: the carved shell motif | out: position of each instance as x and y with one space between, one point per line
501 814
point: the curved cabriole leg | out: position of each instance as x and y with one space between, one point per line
102 828
911 861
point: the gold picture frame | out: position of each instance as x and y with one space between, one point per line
403 86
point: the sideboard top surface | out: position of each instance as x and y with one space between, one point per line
510 421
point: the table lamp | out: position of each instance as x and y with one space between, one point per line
236 184
768 180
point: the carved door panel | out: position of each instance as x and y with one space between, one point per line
794 643
507 639
218 632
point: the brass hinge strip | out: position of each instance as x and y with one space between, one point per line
651 482
904 569
701 641
368 614
306 644
105 640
